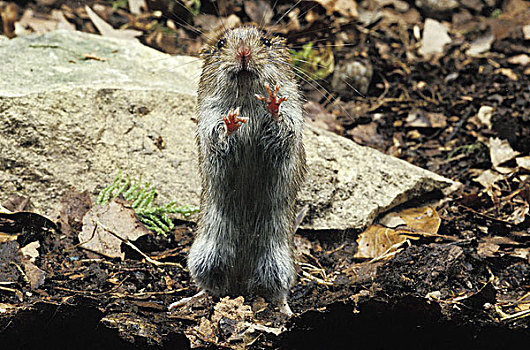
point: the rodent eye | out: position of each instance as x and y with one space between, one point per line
266 42
221 43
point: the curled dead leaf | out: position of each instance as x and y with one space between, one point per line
507 72
106 227
523 162
421 119
522 59
484 115
480 45
501 151
107 30
435 36
411 223
259 11
35 275
488 178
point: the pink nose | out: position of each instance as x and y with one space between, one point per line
243 52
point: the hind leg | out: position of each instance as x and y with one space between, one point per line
207 268
208 265
274 276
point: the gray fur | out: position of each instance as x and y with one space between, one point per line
250 177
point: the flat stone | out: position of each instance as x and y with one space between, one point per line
349 185
70 121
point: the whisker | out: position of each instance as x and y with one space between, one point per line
285 14
330 45
182 22
214 4
311 82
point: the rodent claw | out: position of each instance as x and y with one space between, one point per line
272 102
233 121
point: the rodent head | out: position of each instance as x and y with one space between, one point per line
246 54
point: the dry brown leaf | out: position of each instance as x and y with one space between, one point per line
234 309
523 162
227 322
15 203
487 249
30 251
502 240
107 30
377 240
500 151
259 11
434 38
519 214
507 72
526 32
489 246
392 220
409 223
347 8
522 59
106 227
523 253
136 6
38 24
35 275
367 135
488 178
423 219
8 17
480 45
484 115
205 333
321 118
74 205
420 119
7 308
211 24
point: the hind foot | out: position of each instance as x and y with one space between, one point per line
284 307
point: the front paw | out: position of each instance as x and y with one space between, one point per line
272 102
233 121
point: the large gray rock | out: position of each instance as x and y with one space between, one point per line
67 121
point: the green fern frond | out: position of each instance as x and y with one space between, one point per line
155 218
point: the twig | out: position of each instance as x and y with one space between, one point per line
145 256
387 254
91 292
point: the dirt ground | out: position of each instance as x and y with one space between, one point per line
466 285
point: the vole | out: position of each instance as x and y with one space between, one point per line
252 162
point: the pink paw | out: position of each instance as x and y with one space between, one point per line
233 121
272 102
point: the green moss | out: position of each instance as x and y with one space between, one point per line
314 63
142 197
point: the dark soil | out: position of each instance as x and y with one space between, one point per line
437 293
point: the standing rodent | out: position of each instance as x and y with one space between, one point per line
252 162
